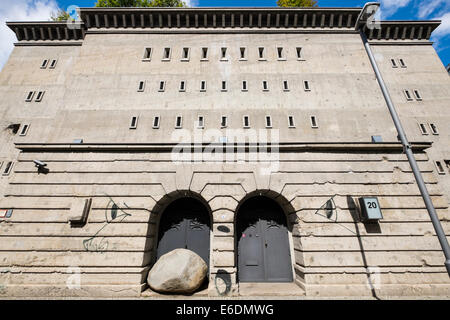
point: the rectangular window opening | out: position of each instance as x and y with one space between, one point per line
29 96
133 124
291 122
147 54
200 122
8 168
423 128
24 130
185 54
268 122
166 54
183 86
223 122
417 95
244 86
39 96
265 85
314 122
393 63
224 86
434 129
179 122
203 85
223 53
280 53
156 122
285 85
141 86
402 63
243 53
246 121
440 167
204 53
162 86
299 53
447 164
44 64
306 85
261 53
53 64
407 95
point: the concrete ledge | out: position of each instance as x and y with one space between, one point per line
168 147
48 43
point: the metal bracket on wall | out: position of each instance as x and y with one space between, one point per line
80 221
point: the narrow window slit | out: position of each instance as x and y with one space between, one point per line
156 122
133 124
268 122
223 122
246 122
314 122
291 122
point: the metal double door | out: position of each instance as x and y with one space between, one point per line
184 224
263 246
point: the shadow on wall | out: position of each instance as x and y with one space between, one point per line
14 127
370 228
222 282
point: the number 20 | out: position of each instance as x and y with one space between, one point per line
372 205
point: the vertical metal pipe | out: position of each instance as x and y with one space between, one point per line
409 153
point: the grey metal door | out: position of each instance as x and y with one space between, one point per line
184 224
263 243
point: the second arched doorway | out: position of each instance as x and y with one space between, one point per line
263 249
185 223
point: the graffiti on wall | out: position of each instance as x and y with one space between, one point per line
113 213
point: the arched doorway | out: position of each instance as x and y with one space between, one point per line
263 249
185 223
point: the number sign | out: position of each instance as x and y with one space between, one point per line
370 209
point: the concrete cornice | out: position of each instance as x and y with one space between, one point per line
218 20
403 30
168 147
48 31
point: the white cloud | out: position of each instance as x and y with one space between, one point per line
444 28
428 7
191 3
21 10
389 7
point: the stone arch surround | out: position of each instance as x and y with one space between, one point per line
155 217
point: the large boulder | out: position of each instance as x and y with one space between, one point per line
179 271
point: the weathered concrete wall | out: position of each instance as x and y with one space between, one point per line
92 95
425 73
98 81
331 255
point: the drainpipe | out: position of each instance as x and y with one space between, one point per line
362 20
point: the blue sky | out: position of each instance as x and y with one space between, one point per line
38 10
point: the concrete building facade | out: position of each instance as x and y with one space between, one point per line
93 116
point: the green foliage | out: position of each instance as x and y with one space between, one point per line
140 3
168 3
297 3
61 15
